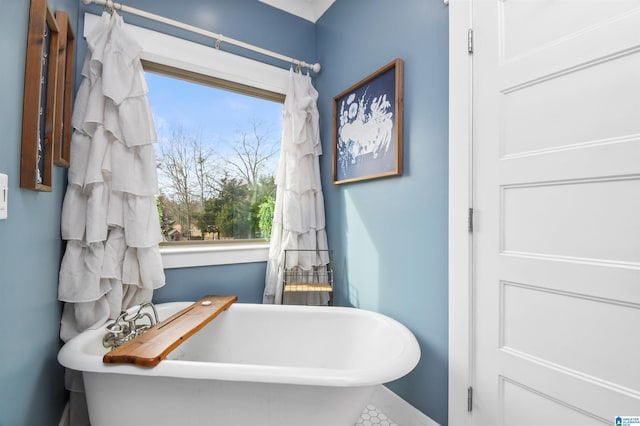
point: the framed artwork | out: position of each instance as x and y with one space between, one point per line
64 91
367 127
36 162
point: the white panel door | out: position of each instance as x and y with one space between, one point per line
556 129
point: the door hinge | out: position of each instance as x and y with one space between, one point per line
469 399
470 40
470 220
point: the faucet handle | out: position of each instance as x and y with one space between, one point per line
115 328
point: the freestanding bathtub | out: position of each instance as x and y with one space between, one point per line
252 365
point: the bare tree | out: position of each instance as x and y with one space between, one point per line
254 150
205 170
184 165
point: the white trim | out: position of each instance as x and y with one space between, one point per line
311 10
399 410
182 54
213 254
460 200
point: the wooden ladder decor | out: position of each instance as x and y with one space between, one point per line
151 347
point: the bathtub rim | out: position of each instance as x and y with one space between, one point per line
73 356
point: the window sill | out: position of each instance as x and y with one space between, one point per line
187 256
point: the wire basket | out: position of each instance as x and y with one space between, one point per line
308 271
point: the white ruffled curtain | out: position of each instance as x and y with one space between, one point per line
109 215
299 221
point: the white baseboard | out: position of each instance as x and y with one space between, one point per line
399 410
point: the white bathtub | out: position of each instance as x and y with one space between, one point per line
252 365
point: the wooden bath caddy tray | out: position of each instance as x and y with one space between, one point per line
149 348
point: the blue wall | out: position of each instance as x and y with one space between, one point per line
246 20
390 234
244 280
31 382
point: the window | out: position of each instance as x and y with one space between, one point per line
169 55
217 152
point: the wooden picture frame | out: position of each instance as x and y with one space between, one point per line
64 91
38 114
367 127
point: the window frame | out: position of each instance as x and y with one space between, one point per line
173 52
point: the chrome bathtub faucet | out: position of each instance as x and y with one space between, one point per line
126 327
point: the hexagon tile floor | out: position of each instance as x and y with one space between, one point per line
371 416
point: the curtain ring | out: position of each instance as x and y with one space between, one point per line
113 6
108 6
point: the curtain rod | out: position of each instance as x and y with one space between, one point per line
218 37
